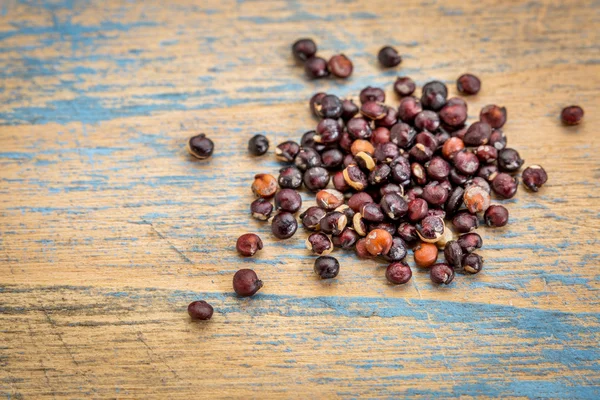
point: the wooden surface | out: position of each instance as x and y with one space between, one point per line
108 229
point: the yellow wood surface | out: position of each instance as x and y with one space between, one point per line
108 229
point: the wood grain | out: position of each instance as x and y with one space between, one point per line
108 229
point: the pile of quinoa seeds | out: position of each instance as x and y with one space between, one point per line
389 176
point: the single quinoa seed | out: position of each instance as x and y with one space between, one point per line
409 108
466 162
248 244
347 239
316 178
288 200
386 152
261 209
498 139
372 94
455 201
363 146
246 283
380 174
365 161
258 145
200 146
358 223
504 185
391 117
388 57
400 170
453 254
373 110
355 178
333 223
200 310
332 158
468 84
264 185
407 232
307 141
431 229
326 267
472 263
419 174
361 249
307 158
328 106
434 95
487 172
316 68
476 199
470 242
339 182
571 115
465 222
372 212
404 86
428 140
319 243
486 154
394 206
478 182
311 218
493 115
453 115
349 109
441 274
284 225
398 273
398 250
287 151
534 177
357 200
402 135
381 135
451 147
425 254
420 153
496 216
329 130
378 242
315 103
477 134
303 49
290 178
435 193
427 120
438 169
359 128
340 66
330 199
509 160
417 210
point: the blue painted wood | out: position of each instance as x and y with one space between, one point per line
108 229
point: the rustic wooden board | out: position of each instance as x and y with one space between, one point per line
108 229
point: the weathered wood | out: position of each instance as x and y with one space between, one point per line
108 229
